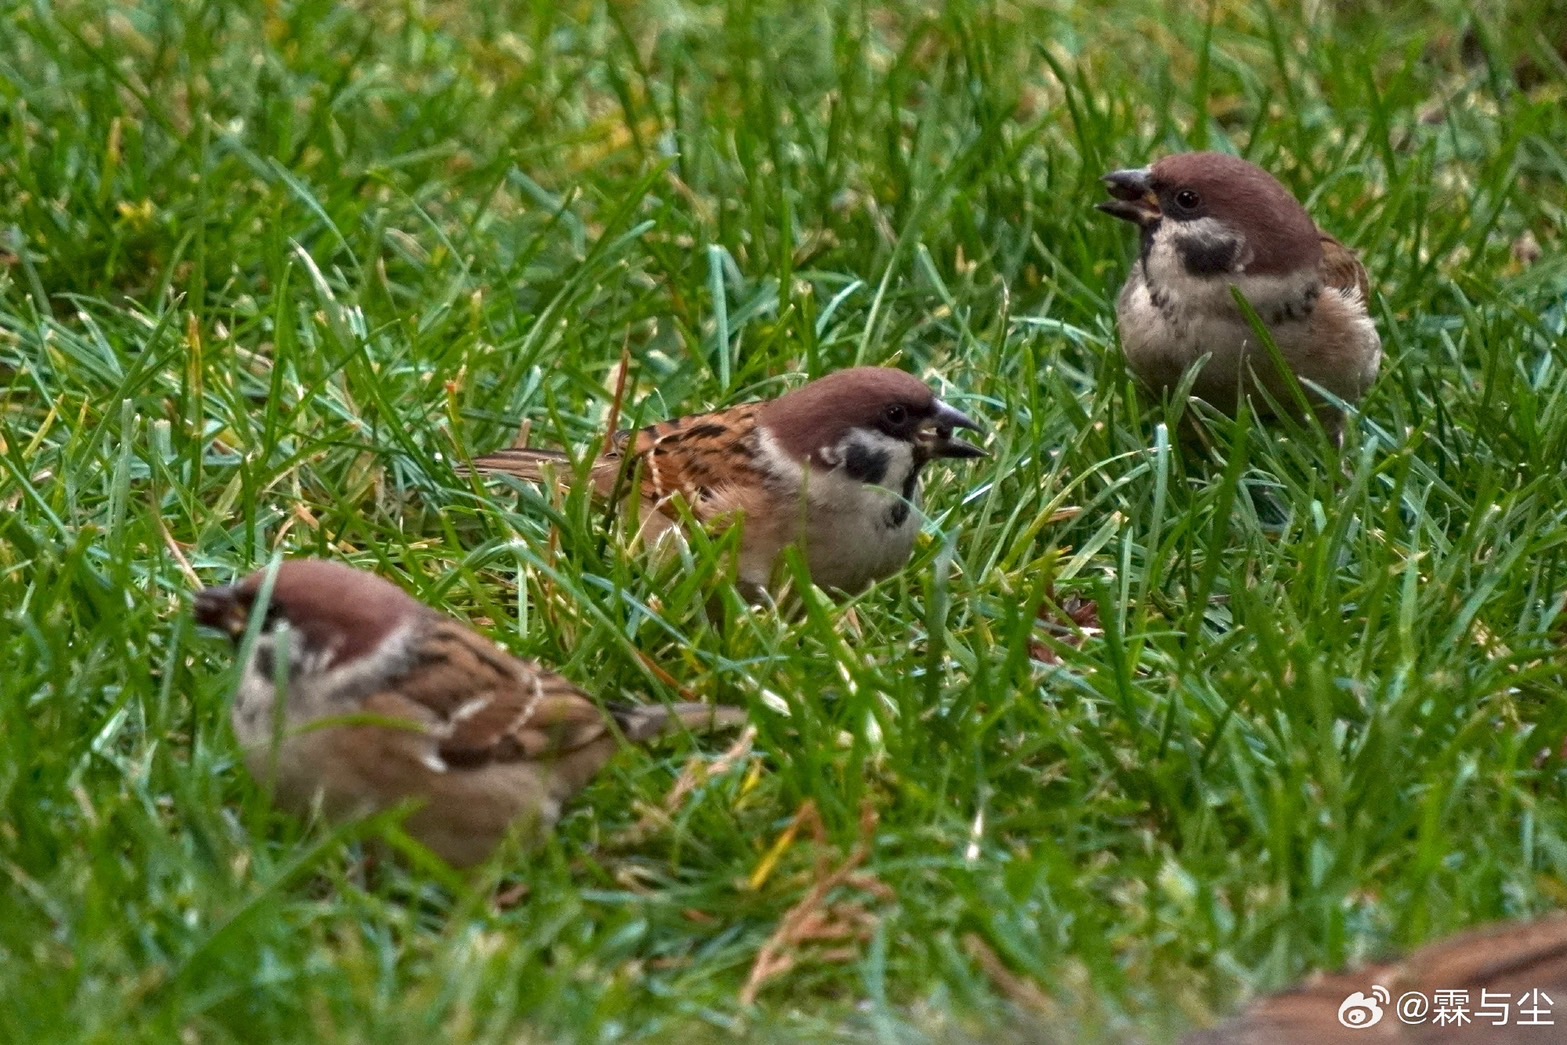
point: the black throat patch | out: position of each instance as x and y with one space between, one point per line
898 511
1145 242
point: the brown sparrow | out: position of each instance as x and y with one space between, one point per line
1211 222
833 467
356 697
1496 976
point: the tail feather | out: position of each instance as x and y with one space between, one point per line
523 462
644 722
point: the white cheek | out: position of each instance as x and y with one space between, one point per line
827 483
855 531
1174 284
897 453
252 705
311 687
1167 268
844 491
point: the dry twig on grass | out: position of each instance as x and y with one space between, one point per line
821 927
1023 993
696 772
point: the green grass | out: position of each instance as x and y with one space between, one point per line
266 276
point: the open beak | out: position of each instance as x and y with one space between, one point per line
1134 197
223 610
938 437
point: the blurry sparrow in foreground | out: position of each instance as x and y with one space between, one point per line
1505 979
1211 222
384 700
833 467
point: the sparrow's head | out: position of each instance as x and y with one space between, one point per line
864 417
1220 215
334 613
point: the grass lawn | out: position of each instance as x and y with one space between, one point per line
267 271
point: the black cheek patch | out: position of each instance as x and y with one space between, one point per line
897 514
1208 257
864 463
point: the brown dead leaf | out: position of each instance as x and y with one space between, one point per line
826 925
612 423
696 772
1025 994
1071 620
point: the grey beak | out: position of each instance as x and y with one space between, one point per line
222 610
1134 197
944 420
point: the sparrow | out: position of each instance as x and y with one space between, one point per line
356 698
1210 223
1495 972
832 467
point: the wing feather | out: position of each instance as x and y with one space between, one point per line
1341 269
690 458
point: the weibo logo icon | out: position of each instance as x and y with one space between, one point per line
1359 1011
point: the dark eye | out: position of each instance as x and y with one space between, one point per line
1187 199
895 414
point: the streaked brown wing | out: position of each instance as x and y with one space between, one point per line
550 467
1342 270
1509 961
524 462
694 456
689 456
493 707
1513 958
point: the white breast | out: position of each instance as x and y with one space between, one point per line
280 747
1170 318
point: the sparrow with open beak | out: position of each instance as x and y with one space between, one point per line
833 467
356 698
1210 223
